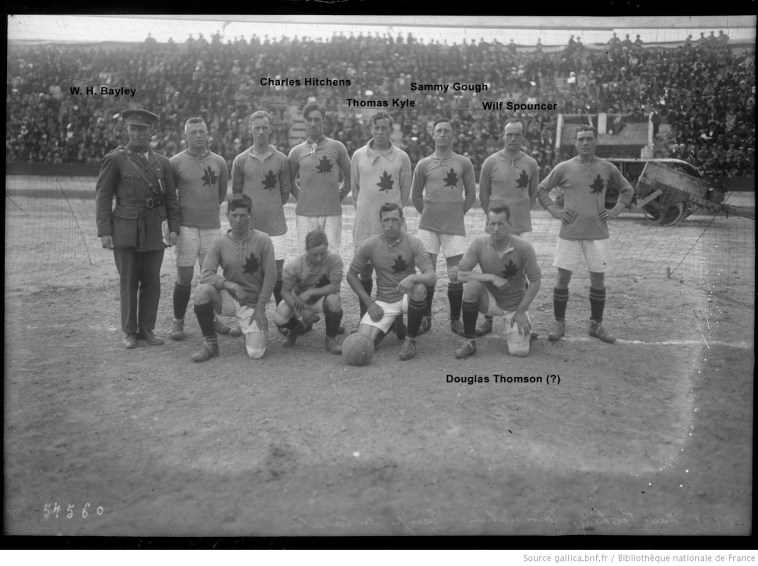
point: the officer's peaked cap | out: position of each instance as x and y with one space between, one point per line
139 117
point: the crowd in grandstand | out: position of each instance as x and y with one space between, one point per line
703 89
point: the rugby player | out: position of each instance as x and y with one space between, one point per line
507 261
443 190
395 256
201 180
312 286
583 238
510 176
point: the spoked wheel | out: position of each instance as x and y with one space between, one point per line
665 214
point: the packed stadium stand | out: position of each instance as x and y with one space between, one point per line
700 96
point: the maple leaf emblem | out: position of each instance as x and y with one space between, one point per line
597 186
400 265
510 269
269 181
323 281
209 176
251 264
452 178
385 182
324 166
523 181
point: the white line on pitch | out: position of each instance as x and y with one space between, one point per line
744 345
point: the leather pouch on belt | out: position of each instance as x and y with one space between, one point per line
125 220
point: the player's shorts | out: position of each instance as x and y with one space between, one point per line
316 308
280 246
193 244
391 310
452 245
518 344
332 225
573 255
230 307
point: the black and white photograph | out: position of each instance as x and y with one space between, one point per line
318 276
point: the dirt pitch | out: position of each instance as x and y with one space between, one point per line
651 435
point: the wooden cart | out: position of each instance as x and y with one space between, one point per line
667 196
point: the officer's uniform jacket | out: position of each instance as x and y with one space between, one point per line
145 196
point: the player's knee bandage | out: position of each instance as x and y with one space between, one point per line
255 353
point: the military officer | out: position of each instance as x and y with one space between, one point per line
143 185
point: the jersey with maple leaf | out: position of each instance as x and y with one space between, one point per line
392 263
517 263
267 183
201 183
315 173
377 178
443 190
584 189
513 181
298 276
249 262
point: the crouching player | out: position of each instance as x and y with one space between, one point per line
395 256
310 286
246 257
506 261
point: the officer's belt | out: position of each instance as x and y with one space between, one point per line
148 203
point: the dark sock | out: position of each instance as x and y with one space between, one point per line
416 310
291 324
181 299
597 304
278 291
333 320
470 314
560 299
429 297
455 296
204 314
368 286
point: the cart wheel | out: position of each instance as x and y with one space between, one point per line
661 215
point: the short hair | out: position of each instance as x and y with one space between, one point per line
499 207
389 207
195 120
241 201
513 121
381 116
316 238
311 107
260 114
586 128
439 119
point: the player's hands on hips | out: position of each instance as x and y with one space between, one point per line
173 237
375 312
524 326
568 216
406 285
500 282
107 242
259 316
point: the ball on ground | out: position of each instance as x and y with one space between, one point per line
357 349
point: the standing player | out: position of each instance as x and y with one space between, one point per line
506 261
201 180
312 286
246 256
443 191
262 172
143 185
318 162
510 176
584 236
381 173
395 256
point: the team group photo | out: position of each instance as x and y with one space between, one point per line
485 276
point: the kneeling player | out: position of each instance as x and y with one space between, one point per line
311 285
246 256
506 261
399 289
